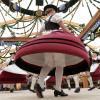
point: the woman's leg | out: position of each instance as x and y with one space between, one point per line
58 75
39 86
43 74
76 80
34 78
68 82
91 84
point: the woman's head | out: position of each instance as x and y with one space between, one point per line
50 8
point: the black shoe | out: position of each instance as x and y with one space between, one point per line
69 88
91 88
38 90
11 90
58 93
77 90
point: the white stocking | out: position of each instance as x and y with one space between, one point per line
43 74
76 79
58 75
68 82
90 81
33 82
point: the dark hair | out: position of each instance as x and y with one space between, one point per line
47 11
50 6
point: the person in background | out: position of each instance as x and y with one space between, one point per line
98 84
29 80
10 61
89 79
68 81
76 80
77 86
34 78
91 84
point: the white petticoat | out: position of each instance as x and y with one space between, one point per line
54 60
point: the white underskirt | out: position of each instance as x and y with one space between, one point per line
54 59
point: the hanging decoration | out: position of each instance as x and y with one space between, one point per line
27 20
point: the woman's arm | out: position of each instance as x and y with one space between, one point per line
41 30
63 27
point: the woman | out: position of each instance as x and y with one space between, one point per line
57 52
53 23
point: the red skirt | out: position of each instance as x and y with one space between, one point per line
7 77
96 74
31 55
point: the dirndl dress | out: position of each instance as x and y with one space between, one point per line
53 49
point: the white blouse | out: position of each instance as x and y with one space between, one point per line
56 18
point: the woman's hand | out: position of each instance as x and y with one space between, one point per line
63 27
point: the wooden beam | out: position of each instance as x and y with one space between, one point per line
95 18
14 21
21 38
71 23
15 39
